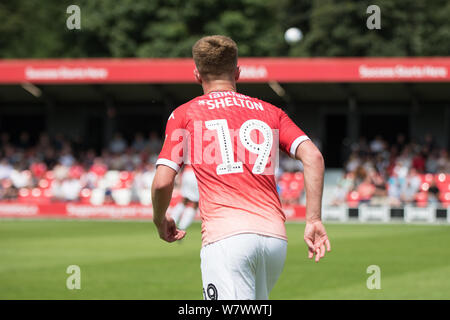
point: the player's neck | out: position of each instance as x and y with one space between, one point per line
218 85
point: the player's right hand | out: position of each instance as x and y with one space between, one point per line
316 239
168 231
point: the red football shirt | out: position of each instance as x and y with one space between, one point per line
232 141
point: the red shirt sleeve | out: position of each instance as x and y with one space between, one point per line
290 134
175 142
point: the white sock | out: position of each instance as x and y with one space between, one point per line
177 211
187 218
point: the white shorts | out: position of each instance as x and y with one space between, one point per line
189 187
242 267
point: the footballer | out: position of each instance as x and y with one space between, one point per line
230 140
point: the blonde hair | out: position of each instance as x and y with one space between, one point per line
215 55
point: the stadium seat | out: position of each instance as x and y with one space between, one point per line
41 195
24 195
75 172
85 195
445 199
38 169
421 199
49 175
426 180
110 180
44 183
144 196
291 186
122 197
443 182
353 198
97 196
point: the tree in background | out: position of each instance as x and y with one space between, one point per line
168 28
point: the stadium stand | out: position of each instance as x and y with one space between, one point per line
60 170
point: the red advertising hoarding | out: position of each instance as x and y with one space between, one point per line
68 210
252 70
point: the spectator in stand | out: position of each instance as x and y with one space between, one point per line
344 186
360 175
444 161
380 195
49 157
44 141
432 164
24 141
360 147
353 162
154 143
99 167
143 178
401 142
4 139
117 144
66 158
429 142
38 169
88 159
20 178
394 190
59 142
7 190
12 155
366 190
377 145
418 162
60 172
117 161
139 142
433 193
5 169
382 164
410 187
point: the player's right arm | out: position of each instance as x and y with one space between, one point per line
167 166
162 188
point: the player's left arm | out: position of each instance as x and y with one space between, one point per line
315 234
295 142
162 188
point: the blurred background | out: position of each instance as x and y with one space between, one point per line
83 107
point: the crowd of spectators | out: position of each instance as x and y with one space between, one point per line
380 173
60 169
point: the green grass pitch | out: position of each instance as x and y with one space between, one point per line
127 260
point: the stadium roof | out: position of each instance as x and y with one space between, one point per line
153 81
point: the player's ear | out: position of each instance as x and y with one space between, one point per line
197 75
237 73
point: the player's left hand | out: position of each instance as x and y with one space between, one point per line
168 231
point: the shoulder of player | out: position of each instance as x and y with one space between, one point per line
269 105
193 102
181 113
181 109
